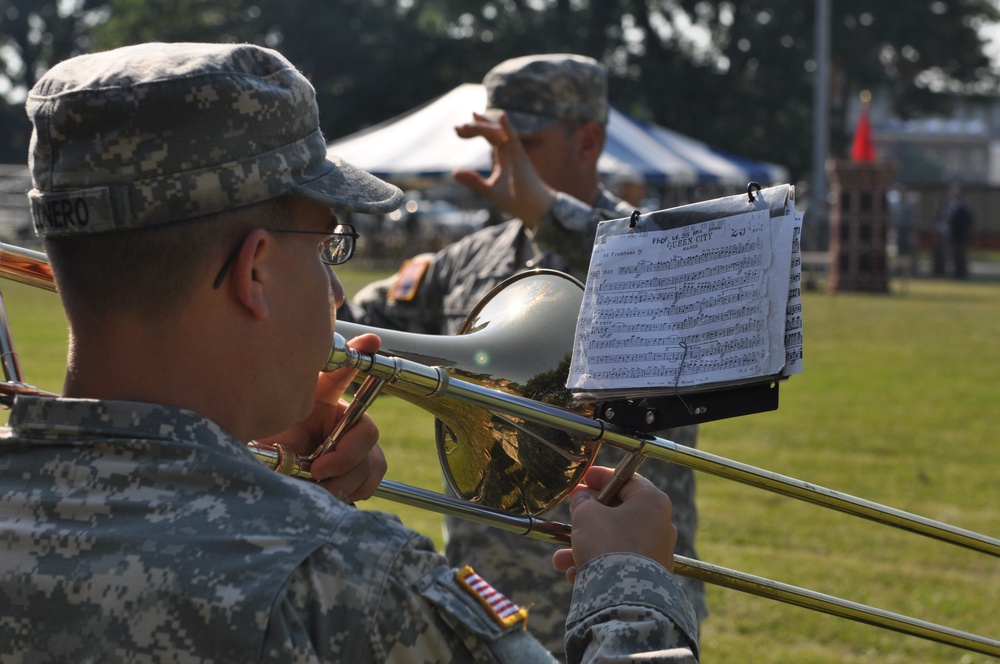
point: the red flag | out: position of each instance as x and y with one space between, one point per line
863 149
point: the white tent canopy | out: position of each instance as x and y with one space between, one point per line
422 144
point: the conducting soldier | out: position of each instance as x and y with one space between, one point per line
186 202
545 118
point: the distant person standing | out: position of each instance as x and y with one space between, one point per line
960 223
940 241
904 225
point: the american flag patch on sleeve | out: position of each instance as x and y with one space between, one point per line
504 611
408 279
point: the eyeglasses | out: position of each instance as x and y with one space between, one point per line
336 249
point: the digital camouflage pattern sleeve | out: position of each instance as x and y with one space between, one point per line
635 591
398 601
132 532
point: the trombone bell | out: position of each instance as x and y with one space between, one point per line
515 341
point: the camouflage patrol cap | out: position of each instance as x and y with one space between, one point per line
158 133
536 91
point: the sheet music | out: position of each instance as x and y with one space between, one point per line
705 303
793 318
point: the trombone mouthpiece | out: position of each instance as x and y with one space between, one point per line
343 357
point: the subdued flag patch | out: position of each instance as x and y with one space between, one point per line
408 279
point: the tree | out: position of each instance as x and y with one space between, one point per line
367 59
750 81
34 35
737 74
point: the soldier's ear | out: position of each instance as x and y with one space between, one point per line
591 141
251 272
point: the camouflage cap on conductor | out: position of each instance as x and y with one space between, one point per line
156 133
536 91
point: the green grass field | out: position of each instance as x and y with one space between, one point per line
899 404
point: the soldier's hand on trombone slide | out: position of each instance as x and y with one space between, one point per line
639 524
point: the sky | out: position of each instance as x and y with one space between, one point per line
992 49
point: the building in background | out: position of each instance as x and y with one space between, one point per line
15 218
934 153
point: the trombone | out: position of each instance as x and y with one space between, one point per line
545 440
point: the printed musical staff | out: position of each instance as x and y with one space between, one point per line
712 302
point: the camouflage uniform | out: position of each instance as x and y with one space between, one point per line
456 278
133 532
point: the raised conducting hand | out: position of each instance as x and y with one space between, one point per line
513 186
353 470
640 524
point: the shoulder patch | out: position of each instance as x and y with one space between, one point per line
411 273
505 612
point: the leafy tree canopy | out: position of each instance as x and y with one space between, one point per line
736 74
34 34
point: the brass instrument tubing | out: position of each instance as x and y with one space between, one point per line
31 268
8 355
834 606
363 398
26 266
281 460
534 527
623 473
420 380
